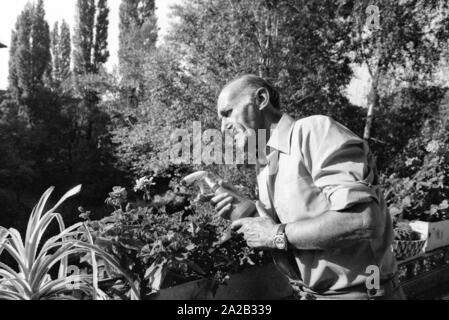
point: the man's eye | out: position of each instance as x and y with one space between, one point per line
226 114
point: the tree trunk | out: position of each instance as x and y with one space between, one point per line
373 104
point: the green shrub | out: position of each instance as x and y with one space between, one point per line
419 188
169 239
35 258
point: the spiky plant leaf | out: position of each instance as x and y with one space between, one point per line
33 281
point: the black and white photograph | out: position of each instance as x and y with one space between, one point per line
224 155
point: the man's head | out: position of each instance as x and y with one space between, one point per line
246 104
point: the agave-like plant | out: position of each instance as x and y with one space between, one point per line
31 279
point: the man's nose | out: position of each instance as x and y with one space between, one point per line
225 125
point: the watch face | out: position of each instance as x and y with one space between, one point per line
280 242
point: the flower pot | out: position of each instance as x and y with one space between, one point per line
408 249
436 233
256 283
194 290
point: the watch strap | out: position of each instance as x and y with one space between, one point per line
281 230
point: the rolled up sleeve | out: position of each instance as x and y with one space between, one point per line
338 162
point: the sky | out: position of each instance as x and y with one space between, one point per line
57 10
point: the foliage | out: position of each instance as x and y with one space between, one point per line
95 127
420 190
61 49
16 167
36 259
90 36
405 45
100 48
167 240
52 125
399 125
300 51
30 62
408 40
137 41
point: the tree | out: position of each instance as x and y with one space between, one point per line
65 50
61 49
30 63
101 52
30 59
83 39
13 77
88 140
91 36
297 45
137 40
300 46
90 53
56 56
20 53
40 45
400 40
138 32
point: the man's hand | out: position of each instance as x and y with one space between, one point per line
223 202
258 232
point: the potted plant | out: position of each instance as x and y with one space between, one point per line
422 198
31 275
407 242
174 249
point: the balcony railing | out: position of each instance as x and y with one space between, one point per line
426 276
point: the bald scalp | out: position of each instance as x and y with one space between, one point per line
250 83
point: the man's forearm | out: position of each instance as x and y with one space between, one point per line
334 229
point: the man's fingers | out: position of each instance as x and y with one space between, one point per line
236 225
225 212
224 203
227 185
239 223
217 199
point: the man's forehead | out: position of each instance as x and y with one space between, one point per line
231 93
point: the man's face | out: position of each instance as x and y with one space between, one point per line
239 113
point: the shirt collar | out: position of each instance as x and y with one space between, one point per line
281 136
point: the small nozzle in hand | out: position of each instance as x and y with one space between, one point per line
227 201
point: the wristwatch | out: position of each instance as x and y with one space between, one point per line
280 240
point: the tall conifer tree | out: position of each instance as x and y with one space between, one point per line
30 62
137 39
91 36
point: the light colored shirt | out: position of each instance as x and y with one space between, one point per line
318 165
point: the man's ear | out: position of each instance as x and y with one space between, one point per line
263 98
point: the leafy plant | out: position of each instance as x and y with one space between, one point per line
420 190
36 259
163 247
404 232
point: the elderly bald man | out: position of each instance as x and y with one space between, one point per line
321 211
